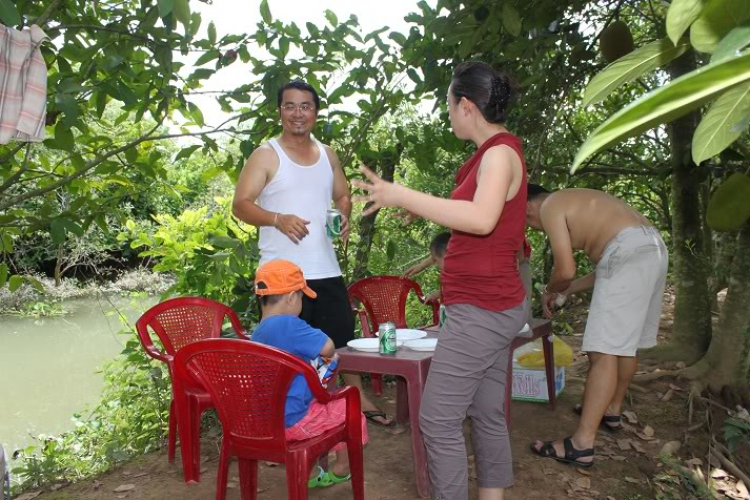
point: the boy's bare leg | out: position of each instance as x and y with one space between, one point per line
341 467
355 380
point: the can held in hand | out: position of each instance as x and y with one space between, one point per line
333 223
443 315
387 333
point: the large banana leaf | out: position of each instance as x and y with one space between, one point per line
667 103
717 19
721 125
628 68
681 15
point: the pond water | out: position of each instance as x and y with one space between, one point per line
49 367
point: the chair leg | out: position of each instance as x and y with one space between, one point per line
377 384
223 474
248 479
297 472
357 468
172 432
549 367
195 436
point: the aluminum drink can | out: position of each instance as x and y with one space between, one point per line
387 333
443 315
333 223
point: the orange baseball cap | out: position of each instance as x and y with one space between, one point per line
281 276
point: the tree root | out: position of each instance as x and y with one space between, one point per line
648 377
729 465
669 353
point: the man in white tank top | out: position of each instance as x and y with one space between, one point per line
285 189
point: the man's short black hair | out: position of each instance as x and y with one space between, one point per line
535 191
439 244
299 85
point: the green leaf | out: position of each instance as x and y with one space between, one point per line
3 274
57 231
9 13
181 12
35 283
397 37
15 282
414 76
196 114
716 21
736 40
667 103
186 152
165 7
212 32
208 57
332 18
681 14
265 12
64 138
511 19
7 243
221 241
719 129
628 68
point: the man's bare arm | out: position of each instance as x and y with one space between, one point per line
556 228
253 179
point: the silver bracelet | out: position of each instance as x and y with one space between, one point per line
276 220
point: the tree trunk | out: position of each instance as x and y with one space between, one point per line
58 266
728 356
366 229
692 311
724 249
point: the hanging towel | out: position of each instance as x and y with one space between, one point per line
23 85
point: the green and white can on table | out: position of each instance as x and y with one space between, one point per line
443 315
387 334
333 223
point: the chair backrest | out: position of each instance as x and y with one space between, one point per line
384 298
181 321
248 384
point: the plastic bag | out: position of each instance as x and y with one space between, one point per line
533 357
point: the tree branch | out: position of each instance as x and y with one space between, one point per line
47 14
22 169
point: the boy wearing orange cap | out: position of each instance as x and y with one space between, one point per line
280 285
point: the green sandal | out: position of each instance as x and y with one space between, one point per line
325 479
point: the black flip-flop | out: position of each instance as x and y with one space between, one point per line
572 455
372 415
613 423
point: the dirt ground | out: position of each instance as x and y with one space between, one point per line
628 466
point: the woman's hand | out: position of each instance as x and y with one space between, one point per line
381 193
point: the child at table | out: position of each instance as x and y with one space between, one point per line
279 285
438 246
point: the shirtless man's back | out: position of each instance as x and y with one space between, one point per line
631 269
592 218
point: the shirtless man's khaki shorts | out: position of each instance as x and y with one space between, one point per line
628 292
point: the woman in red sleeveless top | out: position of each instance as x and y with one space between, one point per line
482 289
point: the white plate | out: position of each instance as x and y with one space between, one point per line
407 334
368 344
421 344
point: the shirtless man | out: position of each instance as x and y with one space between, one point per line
631 270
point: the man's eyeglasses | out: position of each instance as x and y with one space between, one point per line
304 107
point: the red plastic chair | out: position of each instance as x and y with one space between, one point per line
177 323
248 383
384 299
